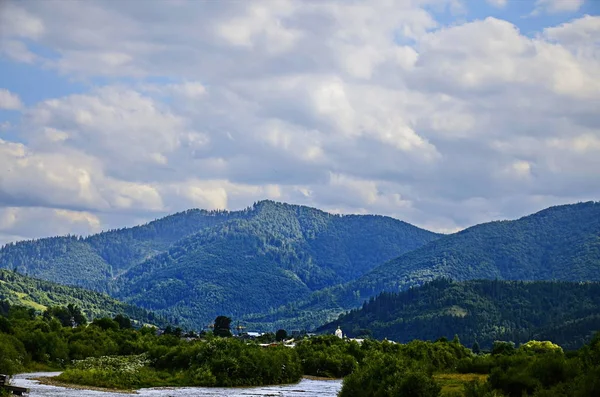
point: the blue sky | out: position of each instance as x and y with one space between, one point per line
443 113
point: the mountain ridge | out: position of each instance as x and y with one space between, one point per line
560 242
482 311
200 263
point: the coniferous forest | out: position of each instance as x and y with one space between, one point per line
481 311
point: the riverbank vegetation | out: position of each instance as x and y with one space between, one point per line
111 353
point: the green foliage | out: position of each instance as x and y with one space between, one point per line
229 362
328 356
71 305
107 355
539 369
280 335
534 346
222 326
12 355
385 374
482 311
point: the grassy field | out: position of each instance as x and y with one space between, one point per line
28 302
452 384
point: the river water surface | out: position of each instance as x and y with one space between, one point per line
305 388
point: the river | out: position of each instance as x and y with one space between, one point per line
305 388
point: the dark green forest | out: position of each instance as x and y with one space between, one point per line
198 264
559 243
481 311
93 261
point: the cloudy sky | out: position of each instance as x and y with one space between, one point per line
443 113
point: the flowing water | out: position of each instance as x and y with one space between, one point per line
305 388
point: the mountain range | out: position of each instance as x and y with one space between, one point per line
480 311
282 265
558 243
199 264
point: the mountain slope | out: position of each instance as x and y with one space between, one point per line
481 310
91 262
559 243
277 254
198 264
39 295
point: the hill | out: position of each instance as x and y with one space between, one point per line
559 243
93 261
17 289
277 254
481 310
198 264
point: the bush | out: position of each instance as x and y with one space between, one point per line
385 374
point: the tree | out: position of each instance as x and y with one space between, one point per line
77 317
12 355
503 348
170 330
123 321
475 348
280 335
106 323
222 326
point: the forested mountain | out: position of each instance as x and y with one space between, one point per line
197 263
481 310
559 243
17 289
93 261
277 254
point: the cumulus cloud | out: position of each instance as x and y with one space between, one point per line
369 107
15 223
9 100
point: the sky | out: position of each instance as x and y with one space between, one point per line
442 113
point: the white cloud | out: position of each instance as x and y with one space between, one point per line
557 6
119 125
67 180
494 53
497 3
9 100
348 106
16 21
15 223
17 50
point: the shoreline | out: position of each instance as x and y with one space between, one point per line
51 381
312 377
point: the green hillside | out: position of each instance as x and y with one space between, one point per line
198 264
277 254
93 261
559 243
481 310
39 295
